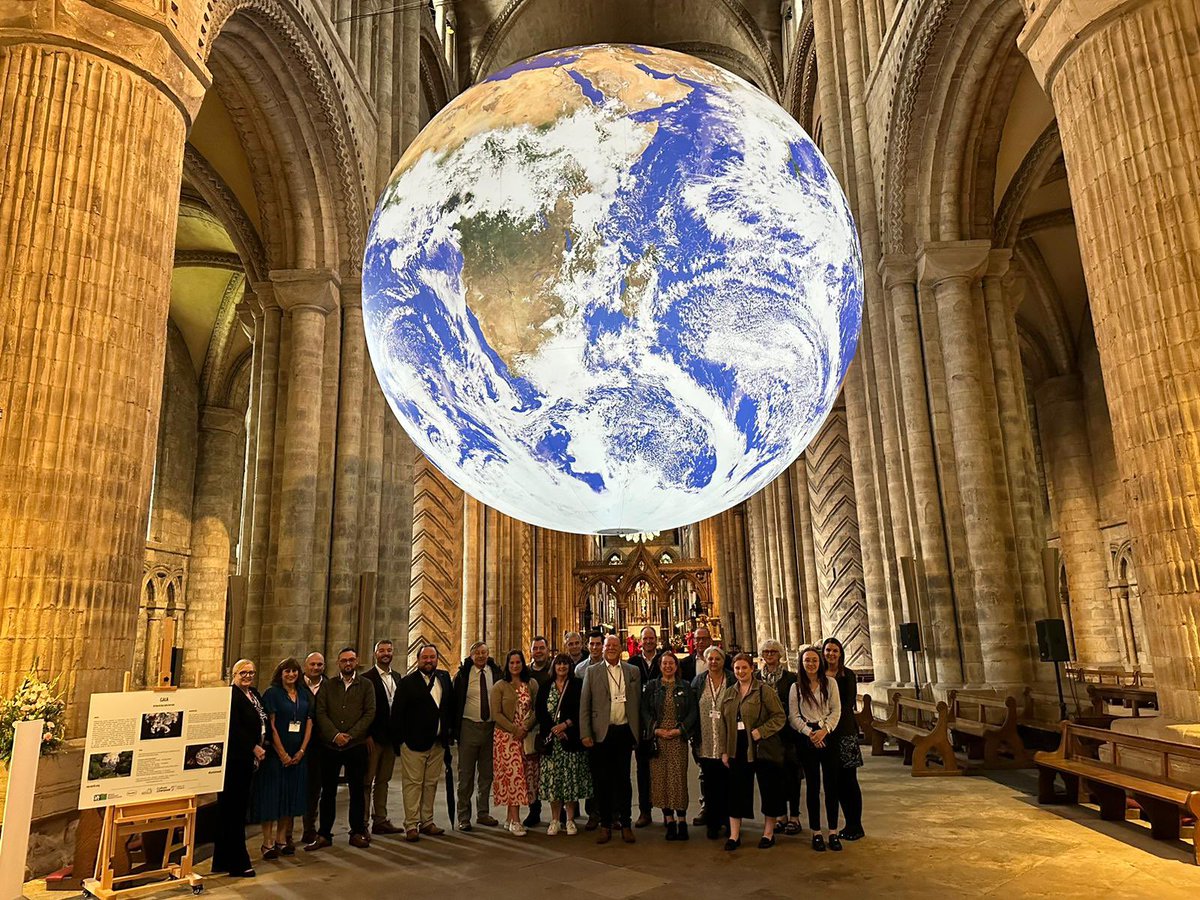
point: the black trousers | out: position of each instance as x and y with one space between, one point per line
313 788
354 759
822 770
642 755
229 845
714 791
610 775
850 798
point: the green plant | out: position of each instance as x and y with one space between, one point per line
34 699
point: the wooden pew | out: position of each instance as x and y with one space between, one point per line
922 729
1133 697
865 719
985 725
1163 797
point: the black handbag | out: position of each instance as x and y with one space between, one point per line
849 752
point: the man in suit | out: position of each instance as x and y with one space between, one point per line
314 678
647 662
474 729
540 671
609 719
381 739
344 713
425 701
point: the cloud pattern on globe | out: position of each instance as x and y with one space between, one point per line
612 288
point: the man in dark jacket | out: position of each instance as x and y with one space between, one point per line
426 713
314 679
474 729
381 739
344 713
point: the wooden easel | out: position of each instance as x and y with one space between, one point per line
170 815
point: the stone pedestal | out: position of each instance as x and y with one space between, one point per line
1123 76
95 111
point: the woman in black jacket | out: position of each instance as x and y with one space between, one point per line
846 735
565 776
245 749
668 720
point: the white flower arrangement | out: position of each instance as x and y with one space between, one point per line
34 699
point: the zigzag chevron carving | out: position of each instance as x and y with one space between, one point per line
437 544
835 538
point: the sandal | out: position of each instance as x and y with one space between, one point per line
271 852
791 827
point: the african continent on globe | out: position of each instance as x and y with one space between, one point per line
612 289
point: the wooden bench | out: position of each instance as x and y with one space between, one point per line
985 725
865 718
1132 697
1163 796
922 729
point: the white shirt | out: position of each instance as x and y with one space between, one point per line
616 694
346 684
435 691
389 684
471 710
314 687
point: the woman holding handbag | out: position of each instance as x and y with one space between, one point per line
564 776
845 735
512 700
753 718
668 721
814 709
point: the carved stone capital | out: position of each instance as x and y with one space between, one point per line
997 263
351 294
1054 29
315 289
896 269
946 260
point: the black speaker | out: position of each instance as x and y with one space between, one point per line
1052 640
910 637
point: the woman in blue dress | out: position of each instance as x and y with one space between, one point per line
281 787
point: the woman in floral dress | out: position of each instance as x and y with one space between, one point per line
512 702
565 777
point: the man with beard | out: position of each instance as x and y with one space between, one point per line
381 739
425 701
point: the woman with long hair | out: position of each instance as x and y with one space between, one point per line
564 776
281 788
513 702
753 718
814 708
668 720
845 735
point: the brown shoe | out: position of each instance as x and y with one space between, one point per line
605 836
642 821
412 835
308 837
627 835
385 827
489 820
361 841
592 823
432 830
317 843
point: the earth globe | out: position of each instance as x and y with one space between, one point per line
612 289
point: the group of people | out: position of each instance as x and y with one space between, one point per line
558 729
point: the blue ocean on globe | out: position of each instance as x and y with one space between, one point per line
612 289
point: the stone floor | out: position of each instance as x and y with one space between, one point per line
943 837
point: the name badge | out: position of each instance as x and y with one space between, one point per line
741 725
294 727
714 713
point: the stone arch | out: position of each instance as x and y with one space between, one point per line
800 90
436 79
305 157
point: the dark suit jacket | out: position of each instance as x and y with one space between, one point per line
420 717
460 689
649 671
568 711
245 728
385 727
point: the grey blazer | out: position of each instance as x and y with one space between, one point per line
595 702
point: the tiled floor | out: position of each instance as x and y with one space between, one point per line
928 837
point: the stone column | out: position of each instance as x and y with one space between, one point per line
810 611
760 580
1062 424
940 627
835 538
1124 77
437 561
341 617
952 271
739 553
212 526
395 532
95 102
307 296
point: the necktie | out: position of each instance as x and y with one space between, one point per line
485 705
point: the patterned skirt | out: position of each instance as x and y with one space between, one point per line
565 776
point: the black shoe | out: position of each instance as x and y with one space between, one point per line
681 832
818 843
671 831
713 833
835 844
731 844
766 843
701 819
852 835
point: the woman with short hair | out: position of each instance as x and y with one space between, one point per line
850 756
753 718
513 701
708 739
814 709
244 750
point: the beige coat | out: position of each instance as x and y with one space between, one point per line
760 709
504 706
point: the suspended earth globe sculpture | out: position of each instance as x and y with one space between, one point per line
612 289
